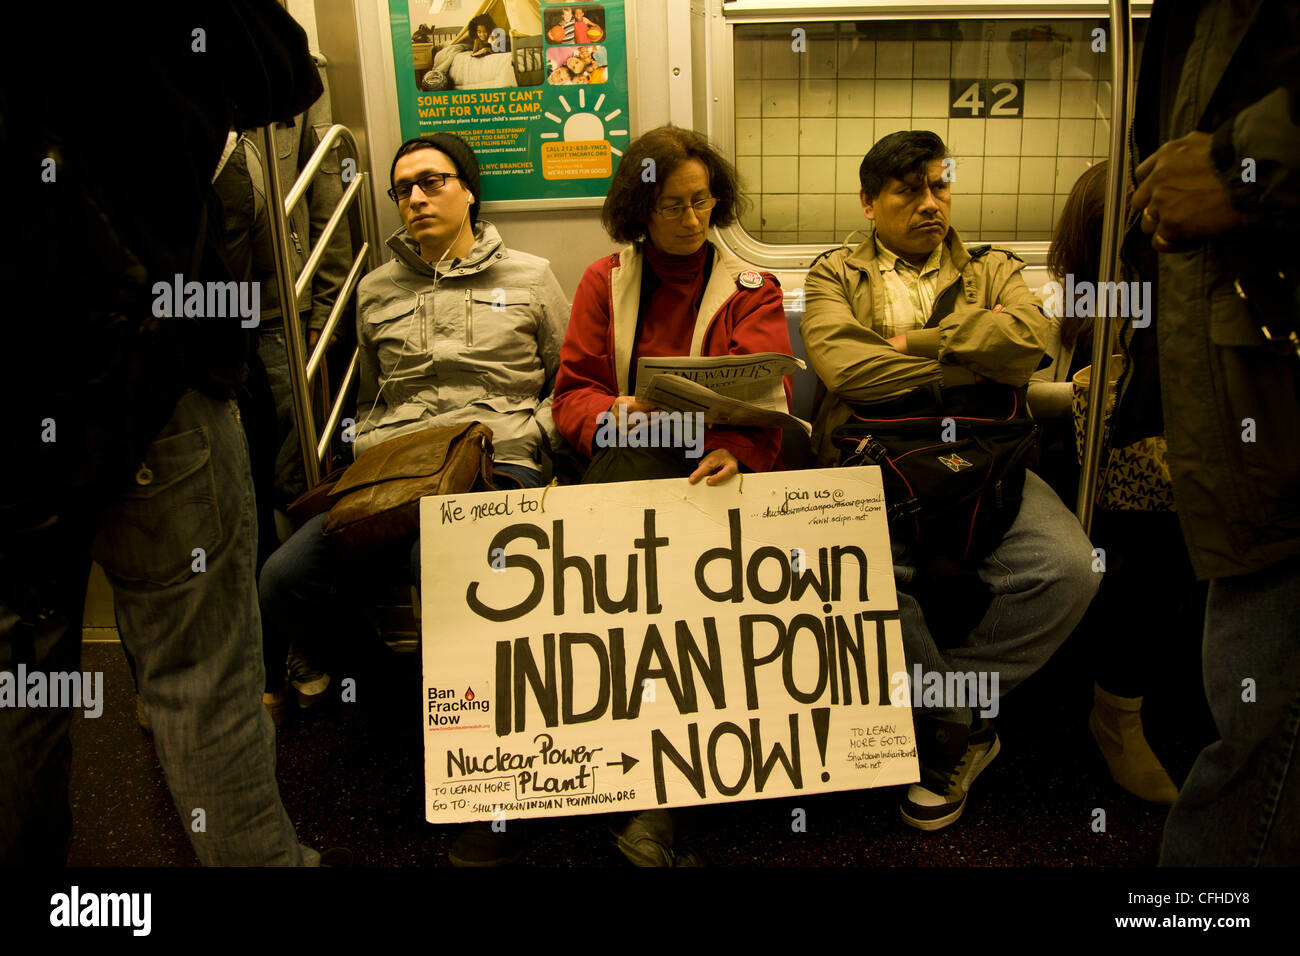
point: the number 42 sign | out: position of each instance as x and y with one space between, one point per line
969 98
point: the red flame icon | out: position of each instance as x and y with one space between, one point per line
469 694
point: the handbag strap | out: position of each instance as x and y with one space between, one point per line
947 300
944 305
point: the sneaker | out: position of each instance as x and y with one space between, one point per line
952 756
309 683
646 839
480 845
688 856
338 856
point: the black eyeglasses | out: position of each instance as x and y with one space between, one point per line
428 185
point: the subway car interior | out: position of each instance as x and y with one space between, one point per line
792 95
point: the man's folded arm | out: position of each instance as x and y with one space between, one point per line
1005 346
855 362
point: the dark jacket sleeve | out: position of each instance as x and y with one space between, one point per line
1258 153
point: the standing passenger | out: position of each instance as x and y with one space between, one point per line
1217 136
1145 555
273 432
148 471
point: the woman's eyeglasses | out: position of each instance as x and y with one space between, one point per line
676 212
428 185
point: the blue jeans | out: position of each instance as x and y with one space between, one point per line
1042 582
311 591
1240 805
188 618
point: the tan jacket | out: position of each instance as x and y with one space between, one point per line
845 296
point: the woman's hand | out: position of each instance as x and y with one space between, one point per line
720 464
632 406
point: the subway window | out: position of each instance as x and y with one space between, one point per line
1024 106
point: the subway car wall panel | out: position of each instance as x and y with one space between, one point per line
882 572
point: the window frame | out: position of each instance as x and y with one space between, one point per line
720 115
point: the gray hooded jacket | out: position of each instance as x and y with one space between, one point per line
484 347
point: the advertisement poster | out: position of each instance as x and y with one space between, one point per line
539 90
657 644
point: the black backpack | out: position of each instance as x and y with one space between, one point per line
953 473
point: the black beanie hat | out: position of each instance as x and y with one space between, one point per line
461 156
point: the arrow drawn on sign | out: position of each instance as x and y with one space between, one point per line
627 763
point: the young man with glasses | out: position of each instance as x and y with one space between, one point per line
456 328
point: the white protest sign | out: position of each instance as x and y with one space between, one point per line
656 644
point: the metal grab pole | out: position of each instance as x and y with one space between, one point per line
302 370
288 306
1121 55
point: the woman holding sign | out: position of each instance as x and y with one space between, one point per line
670 292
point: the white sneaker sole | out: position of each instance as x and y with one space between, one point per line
940 822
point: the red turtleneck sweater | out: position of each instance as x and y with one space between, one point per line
751 320
677 294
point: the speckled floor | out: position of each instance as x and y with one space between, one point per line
353 778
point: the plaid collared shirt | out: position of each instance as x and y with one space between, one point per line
909 292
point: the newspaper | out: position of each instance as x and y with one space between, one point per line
728 389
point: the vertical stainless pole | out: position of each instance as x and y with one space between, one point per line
1121 55
289 308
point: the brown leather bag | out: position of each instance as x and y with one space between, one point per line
314 501
377 500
